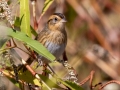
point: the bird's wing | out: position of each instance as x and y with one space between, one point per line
43 35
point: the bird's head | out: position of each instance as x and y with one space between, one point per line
56 22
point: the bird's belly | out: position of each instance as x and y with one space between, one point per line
55 49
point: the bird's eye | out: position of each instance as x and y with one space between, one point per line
56 19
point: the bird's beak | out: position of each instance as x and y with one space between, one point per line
63 20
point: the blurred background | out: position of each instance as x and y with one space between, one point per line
93 29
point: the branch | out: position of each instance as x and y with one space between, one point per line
113 81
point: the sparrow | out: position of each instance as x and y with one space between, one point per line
53 36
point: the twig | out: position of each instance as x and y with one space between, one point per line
96 85
90 77
34 74
113 81
6 48
40 18
15 46
34 14
10 75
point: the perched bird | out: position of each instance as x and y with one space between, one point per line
53 36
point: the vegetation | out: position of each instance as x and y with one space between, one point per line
93 45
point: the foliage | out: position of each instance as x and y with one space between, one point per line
93 37
25 17
22 23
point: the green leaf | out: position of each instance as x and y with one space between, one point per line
25 15
33 31
26 76
46 6
49 83
17 22
35 45
71 85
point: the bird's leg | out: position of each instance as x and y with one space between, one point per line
65 56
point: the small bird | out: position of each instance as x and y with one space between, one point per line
53 36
